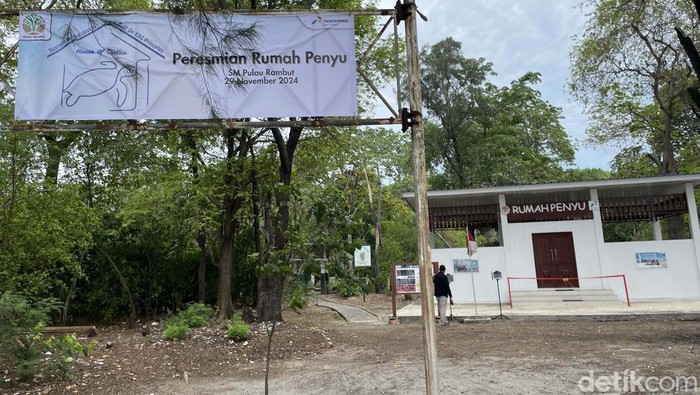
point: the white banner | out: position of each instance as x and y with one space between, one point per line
363 256
157 66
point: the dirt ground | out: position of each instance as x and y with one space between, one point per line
316 352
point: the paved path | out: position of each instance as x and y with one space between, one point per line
671 309
351 314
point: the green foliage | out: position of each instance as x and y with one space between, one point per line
520 137
346 287
38 251
65 350
238 330
175 329
626 71
194 316
296 293
19 314
27 352
21 322
574 175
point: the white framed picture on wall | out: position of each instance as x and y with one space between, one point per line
651 260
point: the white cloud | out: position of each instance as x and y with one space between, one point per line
517 36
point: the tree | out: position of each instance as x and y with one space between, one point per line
271 280
339 194
694 58
630 73
482 135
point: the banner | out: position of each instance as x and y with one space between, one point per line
158 66
363 257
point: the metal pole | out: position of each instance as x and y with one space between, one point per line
498 289
476 313
422 220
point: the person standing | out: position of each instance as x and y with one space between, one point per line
442 292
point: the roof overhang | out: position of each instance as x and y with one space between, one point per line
622 190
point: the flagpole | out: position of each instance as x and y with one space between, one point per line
471 272
476 313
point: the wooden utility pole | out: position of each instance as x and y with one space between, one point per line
422 221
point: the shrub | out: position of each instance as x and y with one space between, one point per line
21 321
238 330
296 294
346 287
65 350
175 329
196 315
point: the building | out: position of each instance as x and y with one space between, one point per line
553 236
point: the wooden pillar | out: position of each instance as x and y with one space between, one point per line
422 221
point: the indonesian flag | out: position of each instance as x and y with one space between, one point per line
471 243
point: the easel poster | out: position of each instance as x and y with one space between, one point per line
407 279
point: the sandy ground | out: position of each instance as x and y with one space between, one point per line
316 352
498 357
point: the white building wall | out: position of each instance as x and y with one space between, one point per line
679 280
490 259
522 253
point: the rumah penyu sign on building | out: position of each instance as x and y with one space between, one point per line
549 211
157 66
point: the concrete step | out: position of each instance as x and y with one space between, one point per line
563 296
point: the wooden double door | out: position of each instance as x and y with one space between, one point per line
555 258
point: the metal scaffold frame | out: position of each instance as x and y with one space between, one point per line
407 118
393 119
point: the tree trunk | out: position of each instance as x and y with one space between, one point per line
56 149
8 205
270 286
71 292
229 224
202 267
261 249
271 283
201 235
223 296
670 166
377 216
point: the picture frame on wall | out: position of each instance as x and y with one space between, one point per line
651 260
465 265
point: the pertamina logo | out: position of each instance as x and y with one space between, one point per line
319 21
35 27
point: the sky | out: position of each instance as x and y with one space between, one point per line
517 36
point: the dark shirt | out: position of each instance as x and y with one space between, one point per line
442 285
